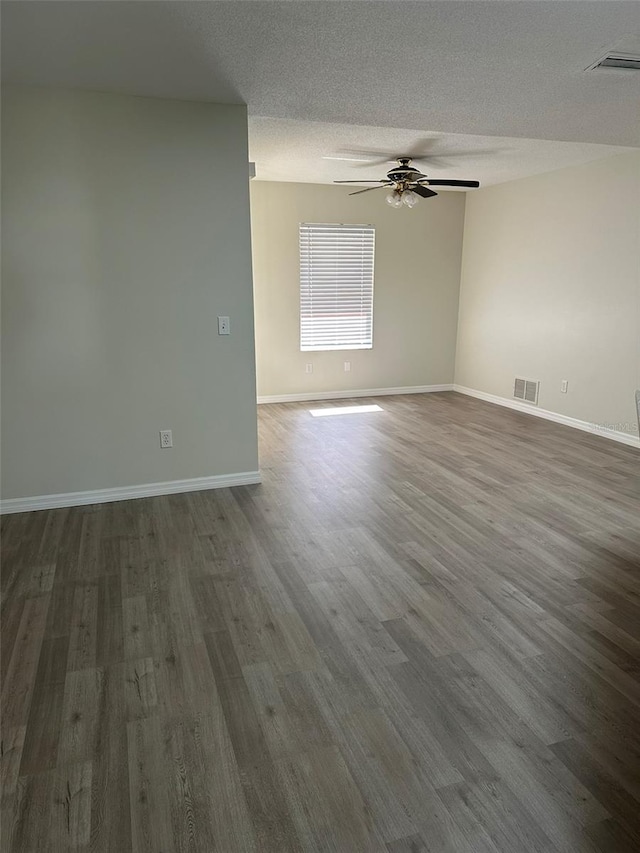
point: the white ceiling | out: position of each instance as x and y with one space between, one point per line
324 77
290 150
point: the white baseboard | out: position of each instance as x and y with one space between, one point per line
585 426
124 493
360 392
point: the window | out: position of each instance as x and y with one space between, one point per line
336 287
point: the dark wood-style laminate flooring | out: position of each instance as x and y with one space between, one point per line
420 633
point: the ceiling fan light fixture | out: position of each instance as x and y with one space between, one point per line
394 199
410 198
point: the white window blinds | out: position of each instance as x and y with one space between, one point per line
336 287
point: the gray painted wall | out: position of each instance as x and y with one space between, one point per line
126 231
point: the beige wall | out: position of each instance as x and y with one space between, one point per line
417 274
125 232
551 290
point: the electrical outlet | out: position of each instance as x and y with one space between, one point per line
347 366
564 386
166 438
224 326
308 368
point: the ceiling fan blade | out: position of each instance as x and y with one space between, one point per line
443 182
356 181
430 149
425 192
368 189
366 157
445 158
381 161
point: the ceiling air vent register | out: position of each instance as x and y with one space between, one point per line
526 390
625 55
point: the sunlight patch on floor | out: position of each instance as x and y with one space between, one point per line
344 410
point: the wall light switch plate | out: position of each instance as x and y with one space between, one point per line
564 386
308 368
224 326
347 366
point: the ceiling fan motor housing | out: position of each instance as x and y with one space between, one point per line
404 172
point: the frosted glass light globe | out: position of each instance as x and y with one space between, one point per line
394 199
410 199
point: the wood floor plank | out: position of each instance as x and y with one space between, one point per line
83 628
383 768
71 812
110 767
431 760
584 765
419 633
135 624
268 810
19 683
10 759
511 682
506 822
45 718
110 631
197 779
27 826
279 732
141 696
325 803
360 632
78 730
150 800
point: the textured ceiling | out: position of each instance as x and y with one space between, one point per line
318 69
289 150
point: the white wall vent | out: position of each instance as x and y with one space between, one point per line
617 60
624 55
526 390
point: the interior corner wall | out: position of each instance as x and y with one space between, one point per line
417 278
125 232
550 290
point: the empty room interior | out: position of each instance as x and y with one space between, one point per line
320 481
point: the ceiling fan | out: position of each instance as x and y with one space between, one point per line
408 184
